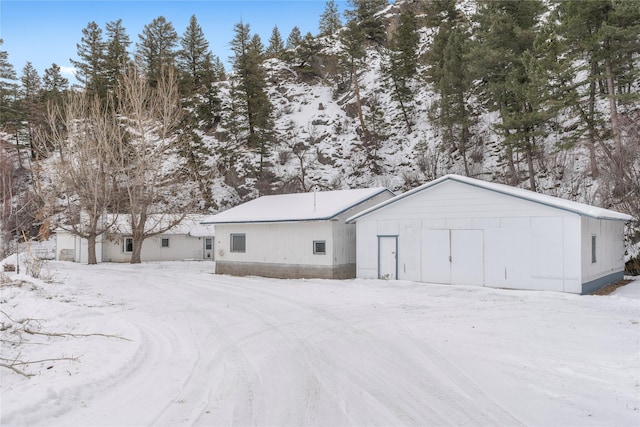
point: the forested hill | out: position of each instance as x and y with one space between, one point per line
538 94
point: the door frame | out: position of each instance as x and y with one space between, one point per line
204 248
388 236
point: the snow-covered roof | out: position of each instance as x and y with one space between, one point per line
191 224
312 206
521 193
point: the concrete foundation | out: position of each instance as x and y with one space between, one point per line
286 271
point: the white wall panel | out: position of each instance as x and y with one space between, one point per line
409 250
436 264
467 257
526 245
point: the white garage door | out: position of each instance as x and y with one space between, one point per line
436 266
467 257
453 257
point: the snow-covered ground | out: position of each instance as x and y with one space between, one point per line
205 350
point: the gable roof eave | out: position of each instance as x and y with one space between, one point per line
307 218
520 193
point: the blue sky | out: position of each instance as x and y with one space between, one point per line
46 32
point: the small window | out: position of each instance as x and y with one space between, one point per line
208 243
128 244
238 243
164 242
593 249
319 247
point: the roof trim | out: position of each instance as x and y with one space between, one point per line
516 192
310 219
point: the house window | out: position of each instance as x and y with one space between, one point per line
164 242
128 244
319 247
208 243
238 243
593 249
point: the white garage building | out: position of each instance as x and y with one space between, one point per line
459 230
288 236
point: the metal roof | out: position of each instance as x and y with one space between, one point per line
555 202
311 206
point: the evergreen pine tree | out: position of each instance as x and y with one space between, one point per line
54 84
256 47
330 21
448 72
156 50
117 55
254 105
601 40
294 39
276 44
306 56
219 72
31 105
31 83
505 35
402 62
365 14
90 67
7 87
353 50
195 59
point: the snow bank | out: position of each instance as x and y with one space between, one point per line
204 350
630 290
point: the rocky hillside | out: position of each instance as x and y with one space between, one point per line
318 139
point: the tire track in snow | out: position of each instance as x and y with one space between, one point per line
259 353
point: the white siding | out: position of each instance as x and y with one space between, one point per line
66 246
292 242
344 243
522 244
609 248
181 247
277 243
69 244
344 235
366 249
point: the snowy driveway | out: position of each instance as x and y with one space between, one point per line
215 350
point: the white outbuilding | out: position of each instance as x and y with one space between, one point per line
301 235
464 231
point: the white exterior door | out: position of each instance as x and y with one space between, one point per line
207 252
436 260
467 257
388 257
453 257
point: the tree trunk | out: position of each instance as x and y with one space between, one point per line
91 249
137 249
464 134
402 107
463 149
356 89
18 148
532 171
512 167
590 121
138 237
615 125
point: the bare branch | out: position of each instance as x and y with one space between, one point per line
72 335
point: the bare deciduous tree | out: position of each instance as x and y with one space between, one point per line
157 195
8 167
78 186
